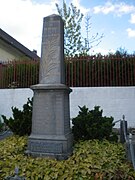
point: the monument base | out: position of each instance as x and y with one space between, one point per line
58 147
51 134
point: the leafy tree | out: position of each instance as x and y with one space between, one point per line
121 52
74 42
72 18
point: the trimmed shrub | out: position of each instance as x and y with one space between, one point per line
21 122
90 124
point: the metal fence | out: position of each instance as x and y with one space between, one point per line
19 74
95 71
83 71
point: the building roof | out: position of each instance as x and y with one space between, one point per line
14 43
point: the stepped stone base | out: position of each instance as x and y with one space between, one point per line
51 134
58 147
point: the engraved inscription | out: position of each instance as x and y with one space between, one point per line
45 116
50 69
51 32
46 147
51 28
52 52
52 23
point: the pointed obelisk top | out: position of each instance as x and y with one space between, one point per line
52 70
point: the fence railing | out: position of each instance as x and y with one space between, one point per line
84 71
19 74
100 71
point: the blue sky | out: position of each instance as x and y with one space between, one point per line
114 18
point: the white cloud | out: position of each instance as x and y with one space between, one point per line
125 8
102 51
104 9
117 8
23 20
132 20
112 32
131 32
79 6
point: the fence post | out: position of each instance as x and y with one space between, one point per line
123 130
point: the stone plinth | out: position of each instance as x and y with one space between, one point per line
51 134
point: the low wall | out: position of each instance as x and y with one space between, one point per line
13 97
115 101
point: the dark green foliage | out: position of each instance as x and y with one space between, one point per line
92 125
21 122
1 125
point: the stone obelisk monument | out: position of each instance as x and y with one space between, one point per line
51 134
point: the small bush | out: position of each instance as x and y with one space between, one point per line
21 122
92 125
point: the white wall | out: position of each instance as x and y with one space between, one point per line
13 97
115 101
